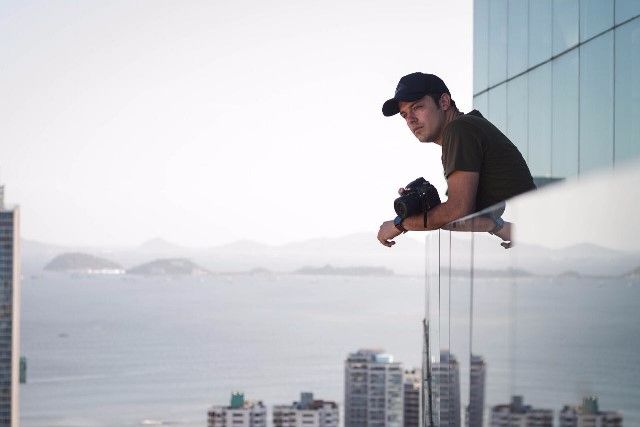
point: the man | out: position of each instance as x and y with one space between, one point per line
483 168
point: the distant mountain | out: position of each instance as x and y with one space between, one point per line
509 272
82 262
411 254
570 274
346 271
169 267
589 250
633 274
161 246
244 246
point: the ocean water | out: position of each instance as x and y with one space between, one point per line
128 351
116 351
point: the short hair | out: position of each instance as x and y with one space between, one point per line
436 98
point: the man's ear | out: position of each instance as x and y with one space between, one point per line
445 101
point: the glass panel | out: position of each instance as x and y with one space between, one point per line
491 341
480 45
498 107
457 385
436 273
449 333
517 116
581 302
497 42
539 159
627 107
517 36
566 17
595 16
481 103
552 320
596 103
564 141
539 31
626 9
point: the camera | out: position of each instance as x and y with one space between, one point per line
418 198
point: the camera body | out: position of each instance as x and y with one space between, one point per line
418 198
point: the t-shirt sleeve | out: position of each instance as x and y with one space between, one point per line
461 149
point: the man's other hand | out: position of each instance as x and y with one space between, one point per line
387 232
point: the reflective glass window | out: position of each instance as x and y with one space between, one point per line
626 9
517 116
596 103
480 45
540 121
539 31
481 103
564 140
595 17
498 107
627 92
566 17
497 41
517 41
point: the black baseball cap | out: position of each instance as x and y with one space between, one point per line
413 87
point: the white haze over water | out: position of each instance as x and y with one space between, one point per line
205 122
113 351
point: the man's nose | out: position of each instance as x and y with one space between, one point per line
410 117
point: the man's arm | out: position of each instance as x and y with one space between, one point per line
462 185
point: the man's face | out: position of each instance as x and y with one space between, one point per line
423 117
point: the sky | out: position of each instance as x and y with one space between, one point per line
205 122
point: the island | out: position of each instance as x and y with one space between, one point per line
169 267
78 262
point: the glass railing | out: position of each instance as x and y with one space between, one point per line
546 332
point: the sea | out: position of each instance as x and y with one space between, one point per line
126 351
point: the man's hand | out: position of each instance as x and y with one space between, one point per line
387 232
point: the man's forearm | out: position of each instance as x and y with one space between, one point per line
443 214
437 217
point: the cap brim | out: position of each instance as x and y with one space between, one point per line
391 107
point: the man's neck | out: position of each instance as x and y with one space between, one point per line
449 116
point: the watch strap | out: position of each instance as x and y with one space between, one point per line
398 223
499 222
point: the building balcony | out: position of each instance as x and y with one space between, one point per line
548 321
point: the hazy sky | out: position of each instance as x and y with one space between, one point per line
206 122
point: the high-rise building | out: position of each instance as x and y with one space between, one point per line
308 412
373 390
561 79
517 414
589 415
412 380
475 410
446 390
9 313
239 413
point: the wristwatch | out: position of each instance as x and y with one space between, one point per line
398 223
499 222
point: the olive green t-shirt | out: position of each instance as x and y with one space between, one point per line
472 143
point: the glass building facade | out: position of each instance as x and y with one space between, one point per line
552 320
561 79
